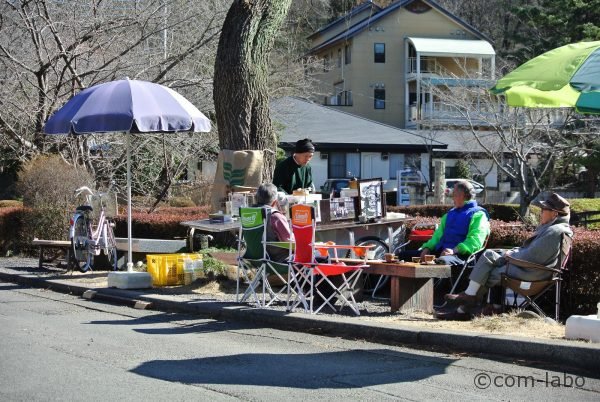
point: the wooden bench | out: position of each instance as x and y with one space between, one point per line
143 246
415 290
411 284
56 244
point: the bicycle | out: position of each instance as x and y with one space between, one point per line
87 239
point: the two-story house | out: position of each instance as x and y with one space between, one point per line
383 64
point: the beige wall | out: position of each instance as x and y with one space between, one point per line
363 73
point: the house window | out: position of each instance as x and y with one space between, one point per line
396 162
348 54
340 97
379 98
353 164
342 164
337 164
379 52
339 59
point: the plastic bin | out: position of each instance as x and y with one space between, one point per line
167 269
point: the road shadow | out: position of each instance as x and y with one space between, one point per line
341 369
176 328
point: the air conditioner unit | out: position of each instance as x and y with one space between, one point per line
324 155
333 101
413 113
385 156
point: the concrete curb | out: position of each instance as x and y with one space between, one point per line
584 356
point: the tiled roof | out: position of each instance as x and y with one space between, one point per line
334 129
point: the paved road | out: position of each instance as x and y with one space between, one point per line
56 346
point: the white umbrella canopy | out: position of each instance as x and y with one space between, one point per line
127 106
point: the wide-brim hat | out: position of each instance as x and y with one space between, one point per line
555 202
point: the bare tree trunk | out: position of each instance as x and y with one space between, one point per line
240 90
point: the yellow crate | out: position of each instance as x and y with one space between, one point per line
167 269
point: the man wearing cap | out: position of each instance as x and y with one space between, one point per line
542 248
294 172
462 231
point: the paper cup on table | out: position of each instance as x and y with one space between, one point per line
429 258
389 257
416 260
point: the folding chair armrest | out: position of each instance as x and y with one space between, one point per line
344 246
527 264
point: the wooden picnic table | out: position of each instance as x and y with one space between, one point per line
411 283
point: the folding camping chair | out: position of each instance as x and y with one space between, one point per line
469 264
308 279
531 291
254 264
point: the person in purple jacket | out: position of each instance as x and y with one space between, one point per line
278 228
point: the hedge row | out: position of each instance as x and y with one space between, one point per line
503 212
19 225
165 223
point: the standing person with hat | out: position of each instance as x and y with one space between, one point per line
542 248
294 172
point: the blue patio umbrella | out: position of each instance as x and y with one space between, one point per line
127 106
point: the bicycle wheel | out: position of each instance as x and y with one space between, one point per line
82 257
370 281
111 247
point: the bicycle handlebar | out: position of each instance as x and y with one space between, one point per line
83 189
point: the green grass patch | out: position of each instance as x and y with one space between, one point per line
587 204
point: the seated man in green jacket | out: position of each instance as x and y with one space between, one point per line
462 231
294 172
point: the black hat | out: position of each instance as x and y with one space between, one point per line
304 145
555 203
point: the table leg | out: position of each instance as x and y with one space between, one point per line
395 293
416 294
191 239
41 261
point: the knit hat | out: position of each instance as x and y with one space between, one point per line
555 203
304 145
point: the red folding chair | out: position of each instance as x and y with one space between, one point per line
310 281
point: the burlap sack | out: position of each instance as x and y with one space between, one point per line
235 168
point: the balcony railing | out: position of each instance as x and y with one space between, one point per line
444 112
432 66
344 98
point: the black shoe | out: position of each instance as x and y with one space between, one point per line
461 298
453 315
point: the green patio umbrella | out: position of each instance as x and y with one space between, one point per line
568 76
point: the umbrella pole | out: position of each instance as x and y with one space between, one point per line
129 237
